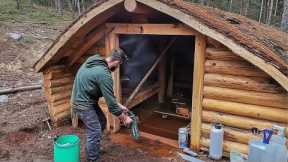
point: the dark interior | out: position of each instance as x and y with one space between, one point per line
159 118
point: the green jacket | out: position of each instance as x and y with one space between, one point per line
93 80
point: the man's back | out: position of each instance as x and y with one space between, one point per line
93 80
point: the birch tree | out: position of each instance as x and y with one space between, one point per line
269 11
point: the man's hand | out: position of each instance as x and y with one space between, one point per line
125 119
125 109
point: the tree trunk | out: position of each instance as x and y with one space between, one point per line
261 10
244 7
203 2
18 3
270 11
230 5
276 8
284 21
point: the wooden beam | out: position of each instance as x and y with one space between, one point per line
248 97
197 94
167 141
253 111
149 72
171 77
242 68
222 55
151 29
242 82
236 48
143 95
237 121
92 38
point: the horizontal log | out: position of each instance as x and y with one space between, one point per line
60 96
242 82
57 74
227 145
61 116
222 55
60 102
230 134
155 29
55 90
54 68
233 68
213 43
249 97
60 108
237 121
60 82
254 111
19 89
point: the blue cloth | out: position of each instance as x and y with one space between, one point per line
95 122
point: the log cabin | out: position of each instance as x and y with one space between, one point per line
224 67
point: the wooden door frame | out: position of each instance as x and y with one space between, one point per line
112 41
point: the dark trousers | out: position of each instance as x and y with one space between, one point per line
95 122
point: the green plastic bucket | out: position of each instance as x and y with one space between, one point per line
67 148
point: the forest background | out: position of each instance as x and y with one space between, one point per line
271 12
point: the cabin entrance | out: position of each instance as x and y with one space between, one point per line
157 80
162 92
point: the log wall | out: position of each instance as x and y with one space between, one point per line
58 83
240 96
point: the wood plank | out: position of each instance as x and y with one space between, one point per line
242 82
230 134
151 29
241 68
167 141
197 94
247 110
236 48
143 95
248 97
